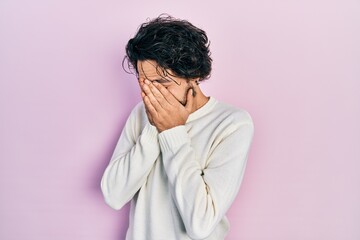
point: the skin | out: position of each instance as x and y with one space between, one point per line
168 100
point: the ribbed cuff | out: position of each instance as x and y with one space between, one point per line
150 135
172 139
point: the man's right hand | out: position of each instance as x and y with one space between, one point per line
141 84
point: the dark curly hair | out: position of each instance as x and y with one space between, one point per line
174 44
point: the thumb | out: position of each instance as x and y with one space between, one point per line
189 100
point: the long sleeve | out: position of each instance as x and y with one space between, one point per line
204 195
132 160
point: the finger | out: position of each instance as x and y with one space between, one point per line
148 112
189 100
141 84
168 96
149 116
149 106
141 90
154 101
146 89
154 87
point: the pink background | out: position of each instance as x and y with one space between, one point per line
294 65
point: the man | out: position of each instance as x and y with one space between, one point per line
181 156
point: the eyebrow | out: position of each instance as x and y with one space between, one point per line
156 79
160 80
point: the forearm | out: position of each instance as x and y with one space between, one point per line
203 195
128 171
189 189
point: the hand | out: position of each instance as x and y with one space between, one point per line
141 83
163 109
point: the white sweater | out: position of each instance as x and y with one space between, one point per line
182 181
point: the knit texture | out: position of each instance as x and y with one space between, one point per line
182 181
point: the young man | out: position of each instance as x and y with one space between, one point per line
181 156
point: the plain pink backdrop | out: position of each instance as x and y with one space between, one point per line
294 65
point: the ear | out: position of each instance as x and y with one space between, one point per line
196 81
193 81
194 84
190 100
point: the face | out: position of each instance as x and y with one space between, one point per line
148 69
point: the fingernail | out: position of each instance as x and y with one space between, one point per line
147 81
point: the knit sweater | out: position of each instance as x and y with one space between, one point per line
182 181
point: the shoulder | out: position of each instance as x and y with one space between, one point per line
136 121
138 112
232 113
138 109
137 117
